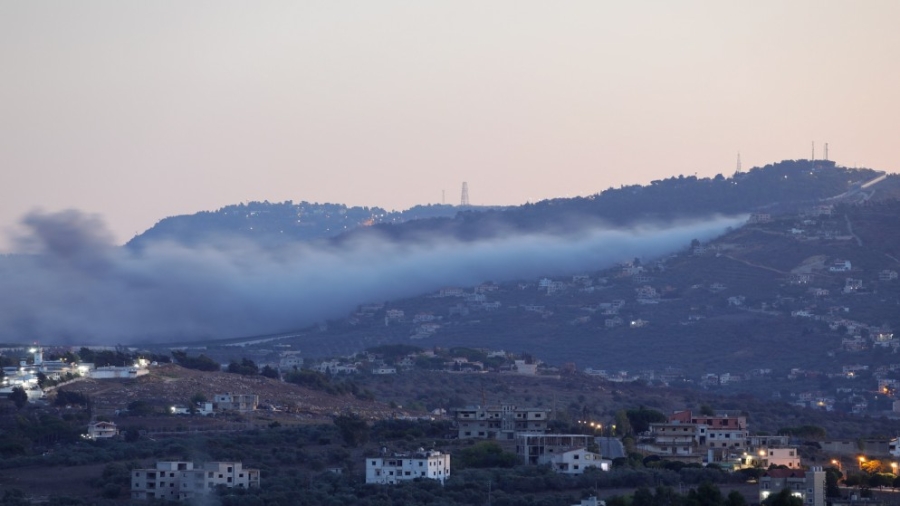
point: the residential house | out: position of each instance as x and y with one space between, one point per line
788 457
242 403
565 453
101 430
576 461
404 467
179 480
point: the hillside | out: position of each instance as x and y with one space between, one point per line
279 223
763 296
169 385
781 186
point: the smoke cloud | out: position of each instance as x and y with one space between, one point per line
70 284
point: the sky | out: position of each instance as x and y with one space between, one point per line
134 111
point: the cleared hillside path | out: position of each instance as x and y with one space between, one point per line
850 230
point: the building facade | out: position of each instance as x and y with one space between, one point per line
809 485
499 422
179 480
535 448
401 467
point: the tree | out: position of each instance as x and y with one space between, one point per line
832 477
353 429
641 418
486 454
735 498
783 498
19 397
269 372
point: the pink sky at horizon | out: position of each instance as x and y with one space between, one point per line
136 111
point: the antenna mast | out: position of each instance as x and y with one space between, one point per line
464 198
826 151
738 171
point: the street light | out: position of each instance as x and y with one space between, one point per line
894 468
837 463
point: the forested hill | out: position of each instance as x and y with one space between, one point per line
778 187
275 223
775 188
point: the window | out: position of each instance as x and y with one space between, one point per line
576 457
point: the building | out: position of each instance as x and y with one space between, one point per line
674 439
766 457
565 453
809 485
499 422
576 461
236 402
101 430
178 480
431 464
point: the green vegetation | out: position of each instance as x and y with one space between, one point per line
200 363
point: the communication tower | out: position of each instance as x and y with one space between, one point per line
738 171
464 198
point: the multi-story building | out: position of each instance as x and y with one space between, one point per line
500 422
675 439
809 485
565 453
422 464
178 480
788 457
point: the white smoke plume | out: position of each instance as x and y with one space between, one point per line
72 285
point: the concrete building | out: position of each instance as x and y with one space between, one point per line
178 480
236 402
565 453
576 461
499 422
788 457
809 485
422 464
674 439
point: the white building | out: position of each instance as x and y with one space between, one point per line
431 464
565 453
176 480
575 461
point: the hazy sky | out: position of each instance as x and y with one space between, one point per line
140 110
